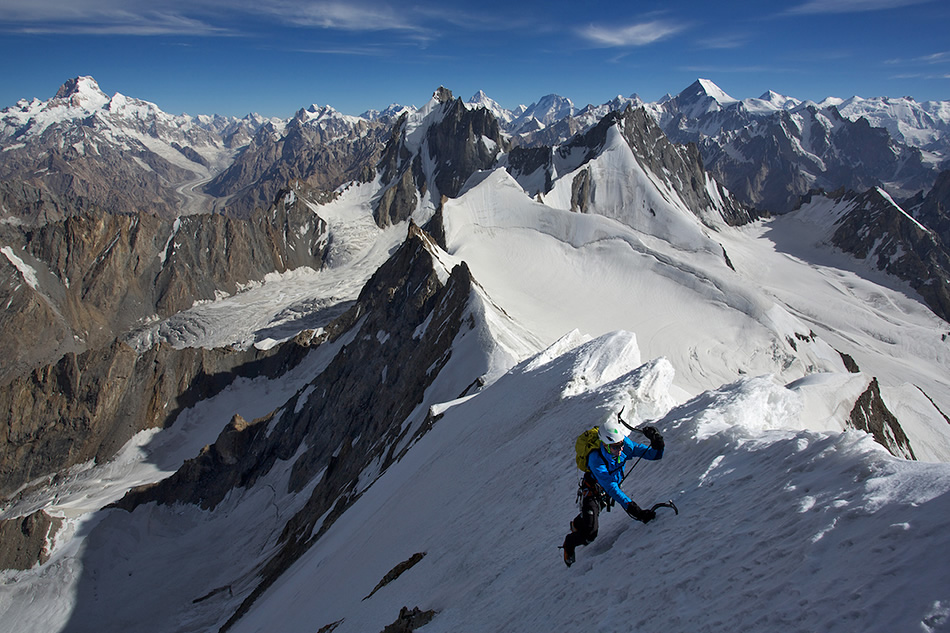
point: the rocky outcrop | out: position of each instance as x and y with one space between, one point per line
80 282
26 541
409 620
871 415
580 191
396 572
352 415
87 406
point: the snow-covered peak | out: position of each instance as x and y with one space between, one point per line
550 108
317 114
917 124
714 91
779 101
391 112
82 92
702 97
482 100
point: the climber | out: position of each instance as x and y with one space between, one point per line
600 486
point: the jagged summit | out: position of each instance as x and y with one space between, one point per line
442 95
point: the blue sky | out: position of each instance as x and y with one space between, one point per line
275 56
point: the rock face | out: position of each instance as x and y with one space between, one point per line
880 231
462 142
79 282
457 141
933 210
351 415
25 541
318 149
87 406
401 175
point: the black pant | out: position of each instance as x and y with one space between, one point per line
585 524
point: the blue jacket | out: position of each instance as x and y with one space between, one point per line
608 470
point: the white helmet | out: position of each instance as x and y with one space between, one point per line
611 431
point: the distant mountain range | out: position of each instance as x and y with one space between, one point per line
83 149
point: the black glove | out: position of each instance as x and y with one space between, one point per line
636 512
656 440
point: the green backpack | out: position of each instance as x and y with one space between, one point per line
586 442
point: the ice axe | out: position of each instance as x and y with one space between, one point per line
666 504
632 428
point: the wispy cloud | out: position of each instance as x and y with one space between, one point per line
724 42
722 70
200 17
849 6
346 16
942 57
936 58
105 17
640 34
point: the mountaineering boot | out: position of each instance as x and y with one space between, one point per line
568 557
568 551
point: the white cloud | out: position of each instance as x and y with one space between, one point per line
849 6
639 34
347 16
103 17
724 42
198 17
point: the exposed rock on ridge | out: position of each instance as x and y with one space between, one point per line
871 415
26 540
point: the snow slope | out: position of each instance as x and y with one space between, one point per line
778 529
